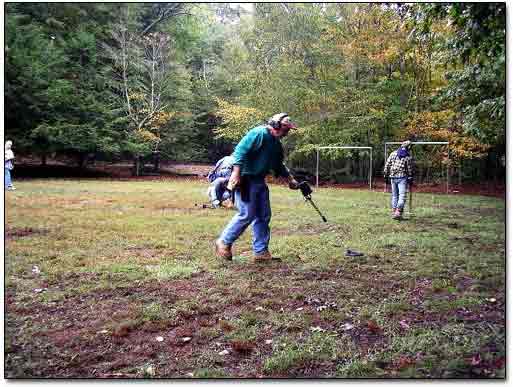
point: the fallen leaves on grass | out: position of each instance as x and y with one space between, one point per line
373 327
404 362
226 326
242 346
123 329
476 360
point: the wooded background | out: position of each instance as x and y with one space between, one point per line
186 81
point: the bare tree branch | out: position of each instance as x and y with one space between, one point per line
286 7
170 10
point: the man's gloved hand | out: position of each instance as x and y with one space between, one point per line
293 184
410 180
306 190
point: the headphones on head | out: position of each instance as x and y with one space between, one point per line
276 120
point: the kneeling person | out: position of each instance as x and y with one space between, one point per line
219 194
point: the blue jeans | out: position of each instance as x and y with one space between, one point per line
257 212
7 178
399 189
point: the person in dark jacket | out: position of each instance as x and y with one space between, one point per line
399 168
259 152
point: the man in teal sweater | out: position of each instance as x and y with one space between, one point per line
259 152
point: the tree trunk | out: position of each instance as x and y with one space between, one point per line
156 161
404 92
137 166
81 160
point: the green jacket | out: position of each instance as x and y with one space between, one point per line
259 152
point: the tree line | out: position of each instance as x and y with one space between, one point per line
187 80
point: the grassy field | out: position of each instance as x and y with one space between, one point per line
118 279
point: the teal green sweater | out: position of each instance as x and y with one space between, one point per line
259 152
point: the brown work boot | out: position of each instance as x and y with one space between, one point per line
397 214
222 250
264 257
393 212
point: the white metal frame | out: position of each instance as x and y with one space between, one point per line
419 143
343 147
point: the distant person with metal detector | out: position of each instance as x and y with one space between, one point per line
259 152
8 166
400 168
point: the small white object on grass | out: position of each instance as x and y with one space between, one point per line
347 326
150 370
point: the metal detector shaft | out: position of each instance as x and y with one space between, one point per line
314 206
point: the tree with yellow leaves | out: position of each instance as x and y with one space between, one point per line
236 120
445 125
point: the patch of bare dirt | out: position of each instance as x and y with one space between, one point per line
106 333
13 233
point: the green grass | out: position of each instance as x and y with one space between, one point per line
134 260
